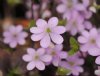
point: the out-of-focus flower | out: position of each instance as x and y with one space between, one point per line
88 25
97 72
14 35
68 6
46 14
90 42
75 24
45 32
28 14
36 58
73 64
57 54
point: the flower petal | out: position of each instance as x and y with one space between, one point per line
40 65
27 58
53 22
82 39
94 51
40 51
19 28
37 37
94 32
41 23
58 39
97 60
21 41
61 8
59 30
45 42
31 65
46 58
63 55
13 44
36 30
31 51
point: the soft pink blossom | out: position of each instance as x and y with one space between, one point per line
45 32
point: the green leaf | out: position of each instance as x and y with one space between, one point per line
62 22
74 46
32 23
62 71
13 2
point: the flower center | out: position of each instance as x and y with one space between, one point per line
74 23
15 35
48 30
71 63
36 57
53 53
93 41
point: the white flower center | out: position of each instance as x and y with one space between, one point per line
36 57
53 53
69 4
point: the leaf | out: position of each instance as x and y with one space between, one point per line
62 22
62 71
74 46
32 23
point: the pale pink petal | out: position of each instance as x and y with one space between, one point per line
80 7
12 29
79 69
19 28
40 65
46 58
84 48
59 47
52 22
55 62
23 34
41 23
21 41
45 42
31 65
27 58
59 30
58 39
82 39
13 44
7 40
85 33
74 31
98 42
36 30
63 55
40 51
31 51
37 37
94 51
6 34
61 8
97 60
94 32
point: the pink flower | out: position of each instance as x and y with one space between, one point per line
75 24
14 35
68 6
90 42
97 72
36 58
73 64
45 32
57 54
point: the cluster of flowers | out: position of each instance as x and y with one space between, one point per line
77 15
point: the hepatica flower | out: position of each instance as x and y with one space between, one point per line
90 42
47 31
36 59
68 6
57 54
75 24
14 35
73 64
